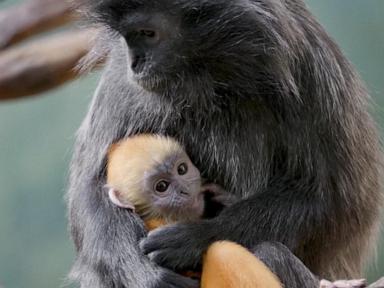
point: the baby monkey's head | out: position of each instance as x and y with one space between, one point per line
154 176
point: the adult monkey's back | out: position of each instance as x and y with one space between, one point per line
267 107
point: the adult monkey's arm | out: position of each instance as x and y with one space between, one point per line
107 237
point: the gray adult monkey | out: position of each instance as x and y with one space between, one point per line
266 106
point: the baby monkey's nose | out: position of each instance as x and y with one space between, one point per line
184 193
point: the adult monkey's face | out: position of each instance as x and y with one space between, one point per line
208 42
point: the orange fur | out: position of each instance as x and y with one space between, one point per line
152 224
229 265
130 159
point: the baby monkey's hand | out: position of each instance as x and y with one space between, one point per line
218 194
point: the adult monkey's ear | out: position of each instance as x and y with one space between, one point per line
115 197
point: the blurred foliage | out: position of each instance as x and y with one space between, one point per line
36 138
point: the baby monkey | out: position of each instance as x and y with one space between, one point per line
153 176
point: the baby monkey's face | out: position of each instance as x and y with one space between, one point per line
155 178
174 189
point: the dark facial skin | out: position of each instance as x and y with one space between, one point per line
266 106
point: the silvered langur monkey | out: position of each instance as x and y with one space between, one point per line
265 104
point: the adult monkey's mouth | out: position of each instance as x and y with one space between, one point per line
138 63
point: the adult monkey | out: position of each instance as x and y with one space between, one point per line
266 106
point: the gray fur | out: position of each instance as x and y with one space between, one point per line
282 262
267 107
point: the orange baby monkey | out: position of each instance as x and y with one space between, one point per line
153 176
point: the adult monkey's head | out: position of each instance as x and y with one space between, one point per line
212 45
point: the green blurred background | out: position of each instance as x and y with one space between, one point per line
37 134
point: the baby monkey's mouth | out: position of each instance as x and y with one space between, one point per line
184 209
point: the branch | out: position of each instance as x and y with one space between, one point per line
32 17
42 64
378 284
361 283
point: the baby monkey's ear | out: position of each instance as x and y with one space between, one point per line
115 197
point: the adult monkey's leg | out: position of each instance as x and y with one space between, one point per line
106 237
285 265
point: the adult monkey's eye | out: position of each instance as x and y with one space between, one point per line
182 169
147 33
162 186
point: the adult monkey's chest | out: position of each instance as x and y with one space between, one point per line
226 146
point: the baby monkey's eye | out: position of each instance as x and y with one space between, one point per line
182 169
162 186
